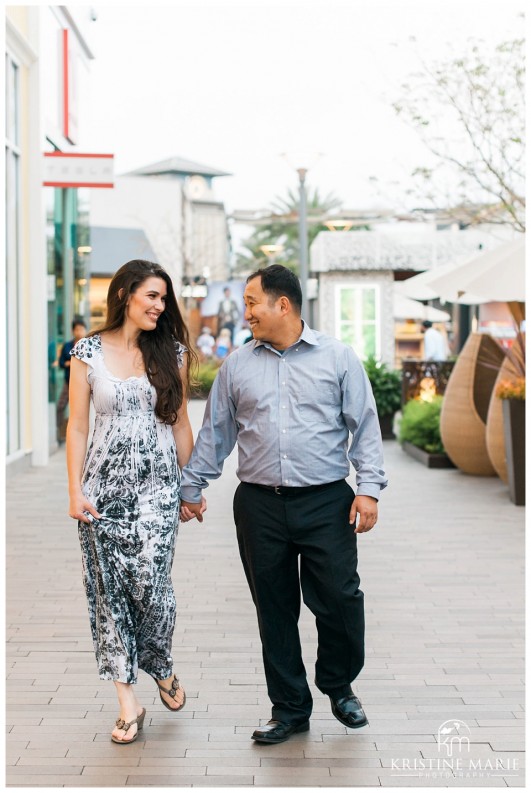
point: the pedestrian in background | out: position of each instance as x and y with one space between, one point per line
78 331
243 336
289 400
223 344
206 343
228 313
125 490
435 344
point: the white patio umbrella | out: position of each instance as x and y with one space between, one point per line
419 286
497 275
404 308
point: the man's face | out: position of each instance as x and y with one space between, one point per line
262 311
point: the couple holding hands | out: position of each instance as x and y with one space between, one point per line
289 399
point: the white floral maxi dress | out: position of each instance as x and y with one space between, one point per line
132 477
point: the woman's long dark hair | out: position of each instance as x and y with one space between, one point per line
157 346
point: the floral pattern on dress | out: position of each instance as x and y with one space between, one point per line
132 477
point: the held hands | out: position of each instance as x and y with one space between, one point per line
80 509
190 510
367 508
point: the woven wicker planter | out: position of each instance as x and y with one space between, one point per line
466 403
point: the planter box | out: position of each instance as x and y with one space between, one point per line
386 427
428 459
514 432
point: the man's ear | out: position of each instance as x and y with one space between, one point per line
285 304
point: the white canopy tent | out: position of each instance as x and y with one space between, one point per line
496 275
404 308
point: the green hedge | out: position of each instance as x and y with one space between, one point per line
204 377
386 386
420 424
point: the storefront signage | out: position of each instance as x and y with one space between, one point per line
73 169
70 97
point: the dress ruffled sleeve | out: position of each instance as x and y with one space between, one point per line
84 351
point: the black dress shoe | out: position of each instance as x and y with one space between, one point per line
348 711
278 731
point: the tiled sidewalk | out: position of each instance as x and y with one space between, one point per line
443 580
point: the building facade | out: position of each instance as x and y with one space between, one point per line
166 212
357 271
47 71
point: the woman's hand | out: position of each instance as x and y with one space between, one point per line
190 511
79 506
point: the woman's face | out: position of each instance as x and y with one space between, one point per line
145 306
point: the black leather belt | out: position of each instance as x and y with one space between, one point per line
281 490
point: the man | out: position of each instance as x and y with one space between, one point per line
79 330
435 347
289 399
228 313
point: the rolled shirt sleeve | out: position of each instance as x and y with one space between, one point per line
215 440
361 417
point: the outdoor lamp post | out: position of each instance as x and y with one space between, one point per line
271 251
302 164
338 224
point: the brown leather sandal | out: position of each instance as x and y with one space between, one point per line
124 725
175 687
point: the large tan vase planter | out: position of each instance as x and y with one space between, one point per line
495 431
466 403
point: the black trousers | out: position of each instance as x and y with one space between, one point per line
273 532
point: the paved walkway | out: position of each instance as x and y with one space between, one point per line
443 579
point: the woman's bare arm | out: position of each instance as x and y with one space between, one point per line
76 440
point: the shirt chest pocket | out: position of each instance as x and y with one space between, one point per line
318 405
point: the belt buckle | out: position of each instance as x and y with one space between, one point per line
277 490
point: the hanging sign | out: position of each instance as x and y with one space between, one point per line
73 169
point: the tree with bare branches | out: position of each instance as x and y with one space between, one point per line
469 112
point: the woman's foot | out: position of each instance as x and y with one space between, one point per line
127 728
130 711
172 694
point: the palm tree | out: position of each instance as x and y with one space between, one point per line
281 228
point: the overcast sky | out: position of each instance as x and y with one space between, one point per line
236 84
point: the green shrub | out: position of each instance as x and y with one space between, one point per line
420 424
204 377
386 386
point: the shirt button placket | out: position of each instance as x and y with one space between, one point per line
283 418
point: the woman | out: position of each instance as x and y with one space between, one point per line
125 491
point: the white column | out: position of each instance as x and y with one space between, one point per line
37 287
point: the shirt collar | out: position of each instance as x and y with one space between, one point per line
307 335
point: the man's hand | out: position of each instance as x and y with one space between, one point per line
367 508
190 510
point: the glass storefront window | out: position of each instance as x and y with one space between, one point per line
82 249
68 256
357 321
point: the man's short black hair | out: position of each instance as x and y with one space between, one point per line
278 281
78 321
427 324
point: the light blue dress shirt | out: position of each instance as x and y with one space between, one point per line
290 413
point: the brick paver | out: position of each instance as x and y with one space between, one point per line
443 579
